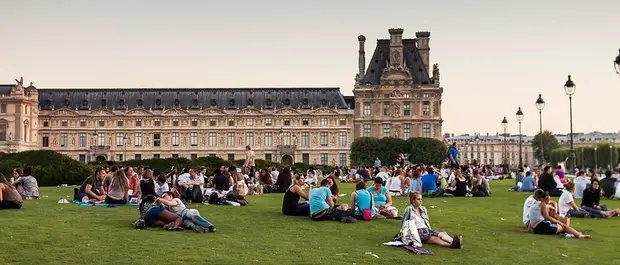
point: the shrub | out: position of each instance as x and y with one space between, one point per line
365 149
48 167
426 151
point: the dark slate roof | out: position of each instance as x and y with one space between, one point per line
350 100
192 98
5 89
381 57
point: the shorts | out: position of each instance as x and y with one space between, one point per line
426 234
546 227
322 215
151 215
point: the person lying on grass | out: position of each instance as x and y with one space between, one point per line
540 222
151 215
191 217
415 211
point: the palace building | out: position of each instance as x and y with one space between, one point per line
395 97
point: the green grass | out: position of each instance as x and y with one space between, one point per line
44 232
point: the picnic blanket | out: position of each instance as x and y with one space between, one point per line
101 204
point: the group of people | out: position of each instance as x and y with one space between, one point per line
21 186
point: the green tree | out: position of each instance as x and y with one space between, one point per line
549 142
426 151
365 149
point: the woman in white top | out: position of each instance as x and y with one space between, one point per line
567 206
394 183
119 189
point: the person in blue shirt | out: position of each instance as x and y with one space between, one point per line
322 205
429 182
453 156
527 183
362 202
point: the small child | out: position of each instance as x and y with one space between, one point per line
162 185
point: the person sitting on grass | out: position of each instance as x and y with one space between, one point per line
322 205
27 185
527 184
416 212
147 184
291 204
591 200
566 205
531 200
9 197
191 217
161 186
119 189
429 182
91 189
190 186
540 222
151 215
382 199
362 201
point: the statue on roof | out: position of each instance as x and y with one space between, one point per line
435 77
20 84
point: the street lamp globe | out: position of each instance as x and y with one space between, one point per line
617 63
505 123
519 114
569 87
540 103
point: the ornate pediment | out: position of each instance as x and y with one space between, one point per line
173 112
249 111
138 112
64 112
212 111
287 111
101 112
324 111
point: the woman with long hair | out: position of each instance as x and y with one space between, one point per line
9 197
119 189
285 179
591 200
147 184
291 204
541 222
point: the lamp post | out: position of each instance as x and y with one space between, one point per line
520 118
611 156
569 88
125 152
617 63
281 133
95 134
477 139
540 105
595 157
466 160
505 125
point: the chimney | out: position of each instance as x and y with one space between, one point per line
362 58
422 39
396 47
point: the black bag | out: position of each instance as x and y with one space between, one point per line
214 197
236 197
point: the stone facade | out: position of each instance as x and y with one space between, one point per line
18 118
396 96
490 149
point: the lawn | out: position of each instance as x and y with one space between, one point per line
45 232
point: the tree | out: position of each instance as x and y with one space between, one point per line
549 142
364 150
426 151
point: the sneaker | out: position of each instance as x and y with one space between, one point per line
378 217
457 242
348 220
211 229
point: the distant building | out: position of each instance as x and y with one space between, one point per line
493 150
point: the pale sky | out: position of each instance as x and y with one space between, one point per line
494 56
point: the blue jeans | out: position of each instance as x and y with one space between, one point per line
577 213
596 212
194 216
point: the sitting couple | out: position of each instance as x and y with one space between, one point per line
374 202
540 216
172 216
322 206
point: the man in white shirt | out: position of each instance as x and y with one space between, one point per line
191 186
529 202
580 184
383 175
274 174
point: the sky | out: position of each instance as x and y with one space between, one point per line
494 56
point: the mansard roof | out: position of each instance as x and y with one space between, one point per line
6 89
381 57
190 98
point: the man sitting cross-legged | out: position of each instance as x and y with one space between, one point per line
322 205
191 217
190 186
91 189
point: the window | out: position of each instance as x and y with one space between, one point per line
175 123
63 140
212 155
212 122
324 159
64 123
249 138
343 139
323 139
426 108
138 139
305 158
175 139
212 139
120 123
342 122
323 122
366 132
231 157
287 122
427 130
157 123
2 108
82 158
367 111
386 109
386 130
46 123
119 157
231 139
305 139
101 123
156 139
46 137
436 108
156 156
193 156
138 123
82 139
120 139
82 123
305 122
175 155
194 122
407 109
287 138
100 139
249 122
406 95
231 122
193 139
137 156
343 159
407 131
268 139
268 157
267 122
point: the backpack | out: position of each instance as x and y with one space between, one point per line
236 197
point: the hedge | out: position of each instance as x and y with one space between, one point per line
364 150
587 157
